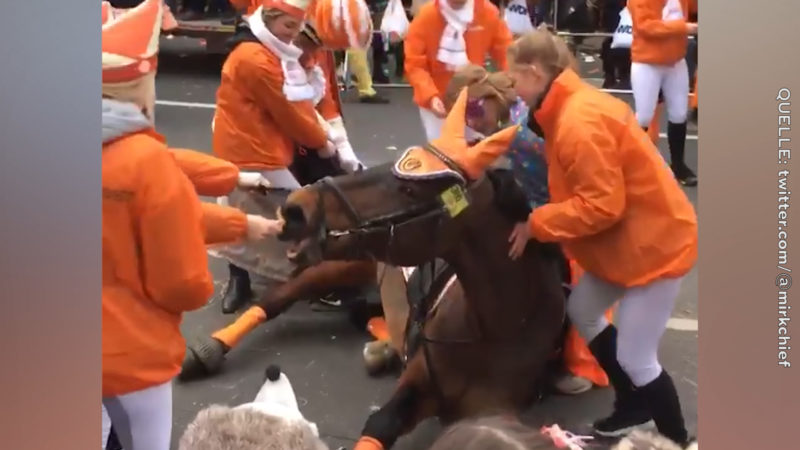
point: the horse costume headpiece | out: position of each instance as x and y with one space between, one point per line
420 163
130 40
272 421
342 24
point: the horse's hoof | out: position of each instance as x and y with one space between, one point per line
202 359
379 356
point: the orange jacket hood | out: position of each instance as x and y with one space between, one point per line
615 205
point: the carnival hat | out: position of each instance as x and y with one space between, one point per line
342 24
471 161
130 41
295 8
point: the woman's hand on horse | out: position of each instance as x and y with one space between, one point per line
519 240
259 227
437 106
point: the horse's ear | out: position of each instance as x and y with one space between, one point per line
480 156
456 122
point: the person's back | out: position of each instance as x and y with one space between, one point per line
653 202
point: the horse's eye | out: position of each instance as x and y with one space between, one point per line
407 190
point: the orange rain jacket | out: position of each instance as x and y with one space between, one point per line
255 126
487 34
214 177
154 262
656 41
615 204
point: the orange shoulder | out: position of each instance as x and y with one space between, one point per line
254 60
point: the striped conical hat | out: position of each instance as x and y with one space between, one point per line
130 41
295 8
342 24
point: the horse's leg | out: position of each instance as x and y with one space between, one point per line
411 403
207 355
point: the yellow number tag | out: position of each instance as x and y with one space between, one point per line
454 200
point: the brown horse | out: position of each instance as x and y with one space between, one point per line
480 352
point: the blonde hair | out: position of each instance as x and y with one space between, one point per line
544 48
646 440
481 84
492 433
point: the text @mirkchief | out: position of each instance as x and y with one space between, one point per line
784 279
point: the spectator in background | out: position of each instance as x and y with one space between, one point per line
616 61
217 9
359 64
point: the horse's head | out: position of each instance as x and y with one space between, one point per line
406 213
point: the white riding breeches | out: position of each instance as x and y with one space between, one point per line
142 420
641 319
647 80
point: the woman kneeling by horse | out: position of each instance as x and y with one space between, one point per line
617 209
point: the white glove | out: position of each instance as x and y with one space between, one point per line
250 180
344 151
259 227
330 146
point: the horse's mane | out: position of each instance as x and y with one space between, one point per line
512 202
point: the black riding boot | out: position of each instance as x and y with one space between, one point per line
662 399
676 137
630 408
237 291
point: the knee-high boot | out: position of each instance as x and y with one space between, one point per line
630 409
665 407
676 137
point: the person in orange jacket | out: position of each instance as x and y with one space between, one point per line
264 79
618 211
154 263
444 36
658 51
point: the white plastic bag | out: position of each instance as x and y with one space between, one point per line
517 17
623 36
395 20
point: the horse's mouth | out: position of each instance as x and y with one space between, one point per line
297 249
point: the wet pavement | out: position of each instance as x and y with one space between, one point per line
321 351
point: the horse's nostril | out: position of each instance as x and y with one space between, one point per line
294 214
